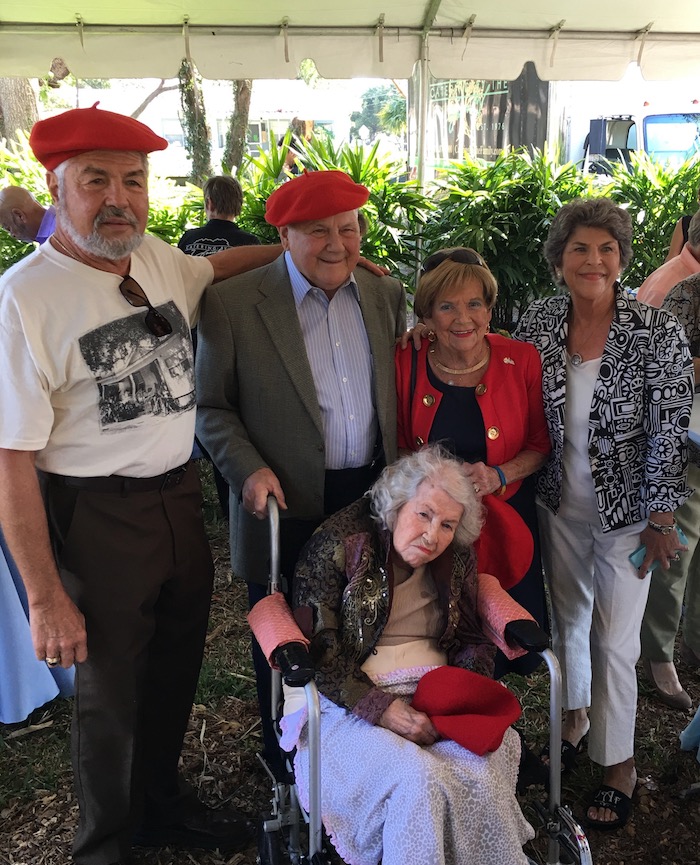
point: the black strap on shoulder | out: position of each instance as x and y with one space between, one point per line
414 373
685 225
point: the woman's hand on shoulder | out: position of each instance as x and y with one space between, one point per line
415 726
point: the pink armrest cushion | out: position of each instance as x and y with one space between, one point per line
273 624
496 608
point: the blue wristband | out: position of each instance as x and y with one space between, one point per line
502 478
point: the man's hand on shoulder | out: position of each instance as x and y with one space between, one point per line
256 488
376 269
417 334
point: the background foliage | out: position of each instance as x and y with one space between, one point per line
503 209
656 198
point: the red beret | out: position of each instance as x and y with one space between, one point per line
314 195
83 129
466 707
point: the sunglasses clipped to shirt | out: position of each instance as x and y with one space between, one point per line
156 322
462 255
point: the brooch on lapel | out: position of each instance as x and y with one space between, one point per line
509 360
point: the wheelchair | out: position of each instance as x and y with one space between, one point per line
288 835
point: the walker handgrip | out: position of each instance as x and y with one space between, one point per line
295 664
527 634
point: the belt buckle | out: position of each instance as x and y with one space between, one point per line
173 478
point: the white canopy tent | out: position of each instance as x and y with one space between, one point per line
566 39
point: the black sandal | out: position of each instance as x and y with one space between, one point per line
569 753
614 800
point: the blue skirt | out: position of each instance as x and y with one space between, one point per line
25 682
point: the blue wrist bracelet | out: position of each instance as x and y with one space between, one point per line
502 478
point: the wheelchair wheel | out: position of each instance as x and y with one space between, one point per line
572 839
563 828
271 850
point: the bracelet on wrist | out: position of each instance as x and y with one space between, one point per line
660 527
502 479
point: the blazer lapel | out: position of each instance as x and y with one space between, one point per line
619 344
279 315
373 317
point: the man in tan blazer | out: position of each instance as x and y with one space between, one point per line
295 380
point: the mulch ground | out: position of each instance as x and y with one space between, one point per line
38 811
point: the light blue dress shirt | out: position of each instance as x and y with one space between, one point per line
339 354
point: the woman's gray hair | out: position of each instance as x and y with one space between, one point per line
591 213
399 483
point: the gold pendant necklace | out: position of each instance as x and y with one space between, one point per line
576 357
464 371
65 248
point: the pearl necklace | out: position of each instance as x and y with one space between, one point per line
464 371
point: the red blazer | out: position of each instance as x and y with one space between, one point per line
509 396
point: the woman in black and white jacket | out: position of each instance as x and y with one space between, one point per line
618 389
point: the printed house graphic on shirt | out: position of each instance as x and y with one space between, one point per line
138 374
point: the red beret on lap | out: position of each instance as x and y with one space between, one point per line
314 195
83 129
467 708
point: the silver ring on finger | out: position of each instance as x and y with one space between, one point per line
477 489
53 662
676 558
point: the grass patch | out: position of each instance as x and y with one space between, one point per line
35 757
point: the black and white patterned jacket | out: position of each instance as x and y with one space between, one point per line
637 428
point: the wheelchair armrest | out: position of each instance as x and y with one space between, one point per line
527 634
295 664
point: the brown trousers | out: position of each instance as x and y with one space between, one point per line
138 566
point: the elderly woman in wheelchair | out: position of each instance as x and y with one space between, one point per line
419 761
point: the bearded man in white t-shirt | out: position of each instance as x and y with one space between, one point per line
97 394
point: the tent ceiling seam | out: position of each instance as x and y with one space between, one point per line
439 32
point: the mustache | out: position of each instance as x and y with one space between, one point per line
114 213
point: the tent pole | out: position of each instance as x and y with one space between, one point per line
422 113
421 148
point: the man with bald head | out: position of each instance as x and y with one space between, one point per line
23 217
97 393
295 382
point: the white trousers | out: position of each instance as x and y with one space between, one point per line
597 606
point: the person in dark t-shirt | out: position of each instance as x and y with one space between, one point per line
223 199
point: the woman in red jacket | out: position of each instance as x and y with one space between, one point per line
480 394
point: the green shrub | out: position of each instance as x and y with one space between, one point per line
656 197
503 210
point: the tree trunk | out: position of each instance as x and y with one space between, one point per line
194 123
17 107
238 126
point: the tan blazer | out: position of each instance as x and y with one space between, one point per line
257 404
